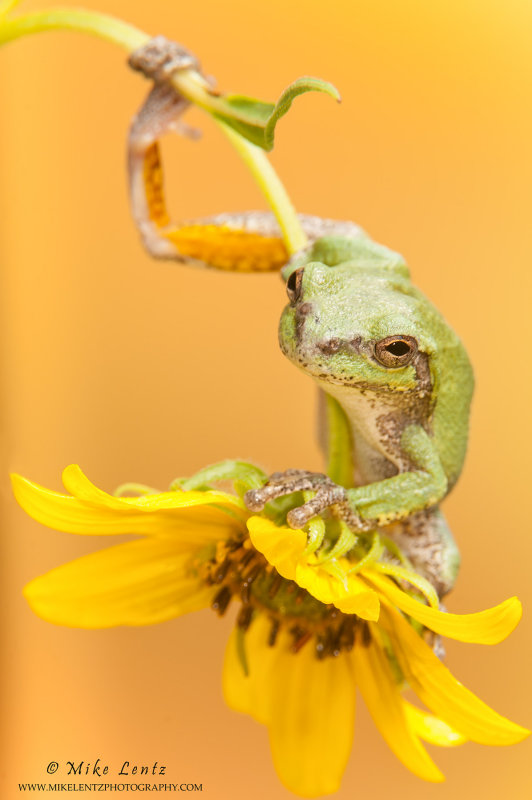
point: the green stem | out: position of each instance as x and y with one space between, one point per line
272 188
189 83
74 19
373 554
345 542
340 461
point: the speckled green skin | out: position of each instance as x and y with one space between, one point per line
408 425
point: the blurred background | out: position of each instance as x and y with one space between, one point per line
144 371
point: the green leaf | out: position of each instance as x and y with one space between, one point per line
255 120
300 86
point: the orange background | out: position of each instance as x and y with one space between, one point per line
145 371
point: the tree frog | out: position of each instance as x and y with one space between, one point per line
398 384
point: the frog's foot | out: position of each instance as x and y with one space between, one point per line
159 58
280 484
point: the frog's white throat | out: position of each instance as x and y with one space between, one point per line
376 421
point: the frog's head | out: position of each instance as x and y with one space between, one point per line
354 318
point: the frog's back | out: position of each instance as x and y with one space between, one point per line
453 384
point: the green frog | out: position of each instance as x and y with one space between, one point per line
398 385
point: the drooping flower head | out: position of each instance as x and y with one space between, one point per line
321 611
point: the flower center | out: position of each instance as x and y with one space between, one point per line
244 574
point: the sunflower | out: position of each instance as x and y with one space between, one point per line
321 612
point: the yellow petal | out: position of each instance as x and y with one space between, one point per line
285 550
353 597
251 694
283 547
62 512
431 728
441 692
381 694
485 627
138 583
193 526
313 711
229 248
77 483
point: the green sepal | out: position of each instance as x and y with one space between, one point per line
242 472
241 651
256 121
277 510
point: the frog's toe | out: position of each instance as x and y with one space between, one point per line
326 496
281 484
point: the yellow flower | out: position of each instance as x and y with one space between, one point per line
313 624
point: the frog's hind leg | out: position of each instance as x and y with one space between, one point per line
426 540
249 241
242 242
161 112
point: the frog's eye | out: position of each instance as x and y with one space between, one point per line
293 285
396 351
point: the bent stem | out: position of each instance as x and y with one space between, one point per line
188 82
271 187
73 19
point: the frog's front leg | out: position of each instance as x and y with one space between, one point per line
364 507
395 498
